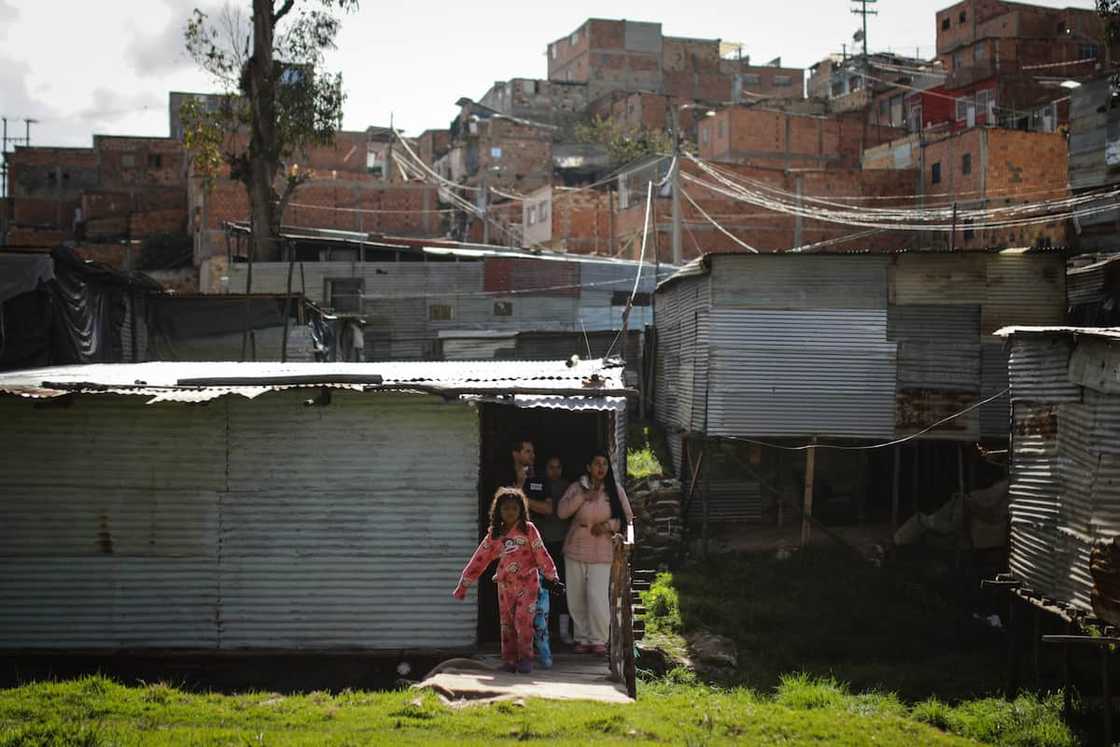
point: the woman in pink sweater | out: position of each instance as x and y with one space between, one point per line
598 508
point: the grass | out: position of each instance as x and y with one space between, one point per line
826 631
642 458
94 711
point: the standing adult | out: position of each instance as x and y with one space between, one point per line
598 507
554 531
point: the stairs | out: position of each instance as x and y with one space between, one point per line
640 580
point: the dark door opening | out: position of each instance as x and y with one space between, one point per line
570 435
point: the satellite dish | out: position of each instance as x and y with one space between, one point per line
858 35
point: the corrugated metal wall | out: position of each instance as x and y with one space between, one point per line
801 373
319 527
775 281
681 366
1065 492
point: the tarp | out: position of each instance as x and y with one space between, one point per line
22 273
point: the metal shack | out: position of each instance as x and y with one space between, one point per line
297 507
1065 467
434 300
850 349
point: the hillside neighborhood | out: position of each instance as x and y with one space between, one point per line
778 403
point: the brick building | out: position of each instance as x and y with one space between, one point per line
789 139
983 168
761 228
632 56
575 220
121 189
557 103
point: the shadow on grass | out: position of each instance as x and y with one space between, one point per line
831 615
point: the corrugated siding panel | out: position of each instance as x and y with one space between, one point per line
1039 370
1076 467
938 279
682 354
1024 290
89 559
939 346
829 373
1035 492
346 534
799 282
995 417
337 528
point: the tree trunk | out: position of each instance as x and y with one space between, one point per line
263 155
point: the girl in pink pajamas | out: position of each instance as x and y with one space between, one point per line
515 543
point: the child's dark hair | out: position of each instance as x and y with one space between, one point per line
610 485
497 528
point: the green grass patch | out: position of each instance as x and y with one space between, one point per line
668 713
646 455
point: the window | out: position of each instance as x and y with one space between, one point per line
440 312
963 17
966 164
963 105
979 52
531 215
985 104
503 308
128 160
935 173
155 160
783 81
751 79
345 294
945 23
496 152
1087 51
542 212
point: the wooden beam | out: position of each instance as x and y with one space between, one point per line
807 510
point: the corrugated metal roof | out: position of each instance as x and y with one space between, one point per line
165 381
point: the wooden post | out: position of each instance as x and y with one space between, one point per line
807 509
894 487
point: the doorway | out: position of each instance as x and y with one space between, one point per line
570 435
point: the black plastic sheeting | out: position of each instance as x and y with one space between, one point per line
78 317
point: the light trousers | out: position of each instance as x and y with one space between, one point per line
589 601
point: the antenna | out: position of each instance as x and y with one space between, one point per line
863 10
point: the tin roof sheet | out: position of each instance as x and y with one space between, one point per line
172 381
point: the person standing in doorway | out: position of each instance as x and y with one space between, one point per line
598 508
554 531
523 476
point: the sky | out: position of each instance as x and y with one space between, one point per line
106 67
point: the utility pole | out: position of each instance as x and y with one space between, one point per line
484 206
862 10
674 119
